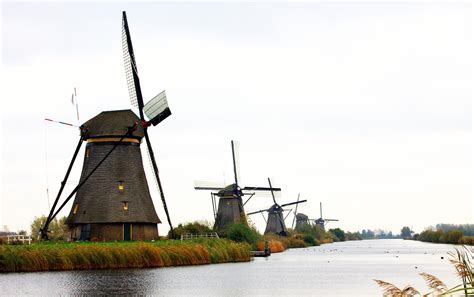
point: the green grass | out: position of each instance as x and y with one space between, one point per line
109 255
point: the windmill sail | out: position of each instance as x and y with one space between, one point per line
157 109
136 98
130 64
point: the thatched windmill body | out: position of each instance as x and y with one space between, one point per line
115 202
112 199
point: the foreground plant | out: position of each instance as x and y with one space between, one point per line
392 290
462 262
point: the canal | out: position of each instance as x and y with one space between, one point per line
338 269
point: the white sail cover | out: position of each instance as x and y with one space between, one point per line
157 108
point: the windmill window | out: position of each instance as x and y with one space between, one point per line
87 153
74 211
125 205
121 186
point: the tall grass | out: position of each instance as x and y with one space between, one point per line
461 259
75 256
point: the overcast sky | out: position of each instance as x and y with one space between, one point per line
365 107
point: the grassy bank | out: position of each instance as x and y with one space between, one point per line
77 256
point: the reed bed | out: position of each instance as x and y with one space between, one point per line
467 240
83 256
279 244
275 246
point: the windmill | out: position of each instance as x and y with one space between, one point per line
302 219
231 206
276 220
112 199
321 221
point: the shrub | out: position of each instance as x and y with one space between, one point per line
453 236
190 228
316 231
294 242
309 239
340 234
242 233
467 240
431 236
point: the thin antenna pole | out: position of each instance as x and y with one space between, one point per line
233 159
46 162
77 107
321 209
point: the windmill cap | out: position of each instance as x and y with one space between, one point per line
113 123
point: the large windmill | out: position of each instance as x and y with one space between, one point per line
112 199
231 206
276 220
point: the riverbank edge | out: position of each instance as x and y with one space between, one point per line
114 255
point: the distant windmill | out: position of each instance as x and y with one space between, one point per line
302 219
276 220
113 201
321 221
231 206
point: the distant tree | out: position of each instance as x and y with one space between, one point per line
452 236
58 229
191 228
316 231
352 236
338 233
467 229
22 232
406 232
370 234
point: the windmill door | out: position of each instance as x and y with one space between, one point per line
127 231
85 232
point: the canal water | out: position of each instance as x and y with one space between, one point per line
338 269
